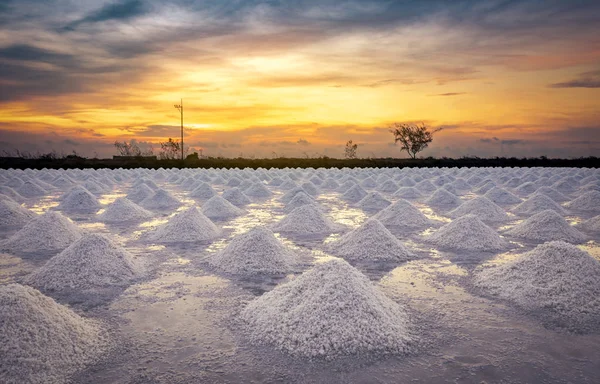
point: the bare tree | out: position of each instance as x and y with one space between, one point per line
414 138
350 151
132 149
170 150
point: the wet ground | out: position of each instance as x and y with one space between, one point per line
179 324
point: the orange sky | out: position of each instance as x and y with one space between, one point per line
301 78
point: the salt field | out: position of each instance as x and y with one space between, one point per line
364 275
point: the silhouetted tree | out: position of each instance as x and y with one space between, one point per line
170 150
350 151
414 138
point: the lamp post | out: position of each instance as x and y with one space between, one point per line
180 108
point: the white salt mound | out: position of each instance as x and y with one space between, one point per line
408 193
483 208
218 208
592 224
467 233
236 197
257 190
354 194
443 199
48 232
289 195
536 203
373 202
256 252
93 261
187 226
556 281
402 214
305 220
12 215
30 189
552 193
546 226
203 191
139 193
160 200
589 201
42 341
79 200
329 311
370 242
298 200
122 210
501 196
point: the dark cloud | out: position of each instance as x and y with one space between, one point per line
489 140
512 142
115 11
302 142
585 80
450 94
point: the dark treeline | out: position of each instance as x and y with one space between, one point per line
325 162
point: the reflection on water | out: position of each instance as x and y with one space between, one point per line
322 257
110 198
331 238
93 226
573 220
502 258
12 267
591 247
256 216
428 212
43 205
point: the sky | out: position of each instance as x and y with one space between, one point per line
300 78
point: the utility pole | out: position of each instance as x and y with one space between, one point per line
180 108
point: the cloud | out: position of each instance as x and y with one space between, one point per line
302 142
585 80
513 142
115 11
450 94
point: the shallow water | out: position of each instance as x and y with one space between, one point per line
178 325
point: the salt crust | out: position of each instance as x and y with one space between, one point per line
188 226
160 200
48 232
536 203
305 220
501 196
13 215
256 252
236 197
218 208
42 341
329 311
122 210
370 242
403 214
93 261
546 226
79 200
483 208
556 281
373 202
467 233
589 201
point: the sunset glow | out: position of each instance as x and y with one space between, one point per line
301 77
